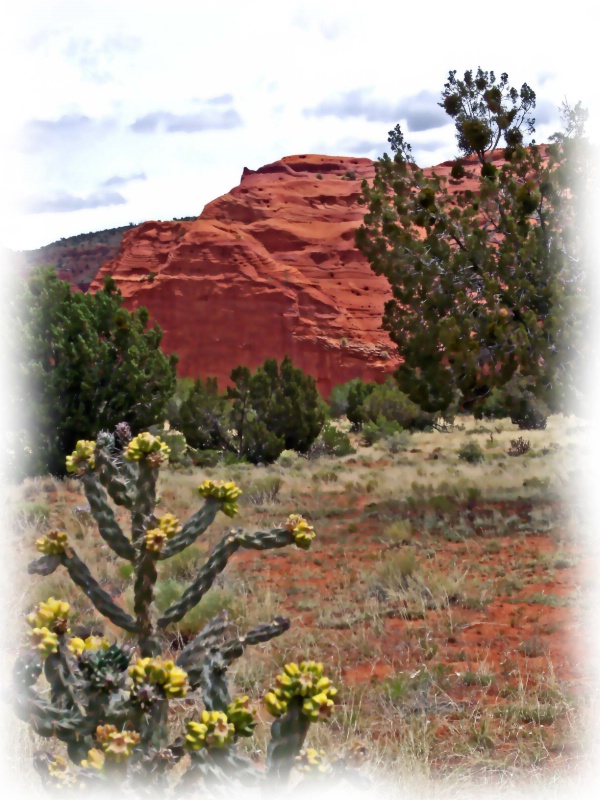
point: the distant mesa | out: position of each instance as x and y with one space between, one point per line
268 269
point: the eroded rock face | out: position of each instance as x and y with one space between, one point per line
268 269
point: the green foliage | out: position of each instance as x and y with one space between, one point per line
390 432
358 391
517 400
386 401
200 413
471 452
485 111
89 364
111 704
474 305
331 442
277 408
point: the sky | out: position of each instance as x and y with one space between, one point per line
120 112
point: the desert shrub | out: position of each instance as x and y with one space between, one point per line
274 409
386 401
471 452
516 400
358 391
338 398
325 476
518 447
331 442
288 457
32 512
264 490
384 430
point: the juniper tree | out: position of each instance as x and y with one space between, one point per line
89 365
486 282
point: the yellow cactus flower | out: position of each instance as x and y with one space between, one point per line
276 704
83 457
317 707
154 540
242 717
168 526
44 640
52 544
95 759
103 732
57 769
302 532
78 646
52 614
304 680
145 445
119 745
215 730
196 735
170 679
313 761
225 491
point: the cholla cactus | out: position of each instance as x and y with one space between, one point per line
313 761
302 532
308 682
52 544
83 457
111 704
148 447
225 491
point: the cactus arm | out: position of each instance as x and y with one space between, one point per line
193 528
288 733
45 565
261 540
143 593
103 514
80 574
145 499
210 636
112 480
234 648
58 675
213 682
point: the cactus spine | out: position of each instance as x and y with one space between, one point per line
110 703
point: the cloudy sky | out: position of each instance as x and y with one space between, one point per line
120 112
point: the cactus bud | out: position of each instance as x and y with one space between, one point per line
52 544
304 680
95 759
312 761
302 532
145 445
52 614
242 716
78 646
83 457
118 745
215 730
122 434
44 641
169 679
168 526
225 491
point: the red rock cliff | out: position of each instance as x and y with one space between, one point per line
269 268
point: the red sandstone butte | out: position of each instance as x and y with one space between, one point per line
266 270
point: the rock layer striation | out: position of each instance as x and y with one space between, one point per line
268 269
